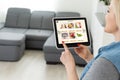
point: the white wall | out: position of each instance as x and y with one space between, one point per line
100 38
96 30
82 6
32 4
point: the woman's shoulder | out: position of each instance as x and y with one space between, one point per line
102 69
112 54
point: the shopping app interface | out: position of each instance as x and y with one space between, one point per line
71 31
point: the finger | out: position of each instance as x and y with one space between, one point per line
62 55
75 49
81 46
78 45
65 46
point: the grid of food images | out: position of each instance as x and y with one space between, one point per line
71 31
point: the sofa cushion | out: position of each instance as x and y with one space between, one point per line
11 38
42 20
17 18
50 45
34 34
13 30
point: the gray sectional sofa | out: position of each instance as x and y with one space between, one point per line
38 30
36 25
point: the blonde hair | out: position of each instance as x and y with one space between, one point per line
116 7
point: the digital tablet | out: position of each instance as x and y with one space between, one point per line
71 30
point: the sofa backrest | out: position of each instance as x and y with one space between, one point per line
67 14
42 20
24 18
17 18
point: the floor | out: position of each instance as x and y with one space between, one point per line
32 66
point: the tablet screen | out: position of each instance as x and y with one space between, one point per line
71 30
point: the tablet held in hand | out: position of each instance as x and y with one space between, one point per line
71 30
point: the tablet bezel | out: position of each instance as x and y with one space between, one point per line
70 44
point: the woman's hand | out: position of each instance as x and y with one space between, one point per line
84 52
67 58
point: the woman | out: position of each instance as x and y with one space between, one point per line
107 63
